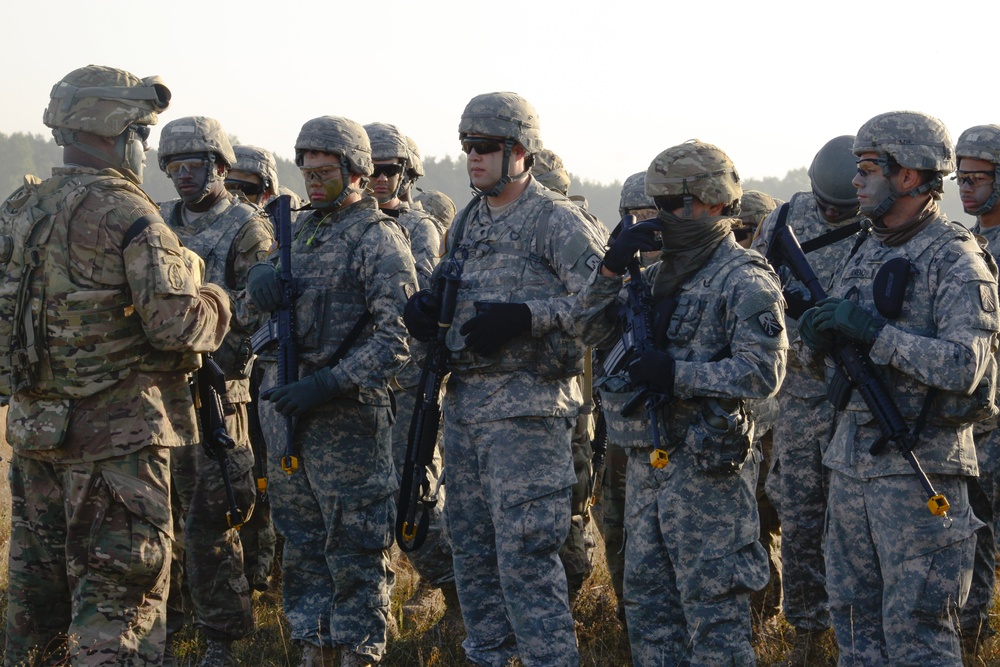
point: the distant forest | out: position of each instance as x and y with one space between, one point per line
34 154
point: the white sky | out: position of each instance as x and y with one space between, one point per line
614 81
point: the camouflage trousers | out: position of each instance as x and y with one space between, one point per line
577 551
89 560
258 535
985 501
508 515
208 554
691 559
613 515
432 560
336 574
797 486
897 575
766 603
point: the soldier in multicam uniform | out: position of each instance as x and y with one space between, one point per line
432 561
254 177
692 554
440 206
896 574
797 482
230 235
978 174
337 512
513 399
98 387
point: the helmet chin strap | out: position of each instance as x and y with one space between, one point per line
505 178
206 185
345 176
994 196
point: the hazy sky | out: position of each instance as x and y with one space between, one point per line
614 82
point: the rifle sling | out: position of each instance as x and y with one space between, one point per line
830 237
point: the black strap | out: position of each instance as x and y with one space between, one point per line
138 227
352 336
833 236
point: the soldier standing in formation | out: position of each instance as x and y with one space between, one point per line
99 393
230 235
512 400
896 574
692 554
337 511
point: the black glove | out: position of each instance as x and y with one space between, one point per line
632 238
298 398
654 369
811 335
494 325
264 287
420 315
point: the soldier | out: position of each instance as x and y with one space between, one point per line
391 156
754 207
692 553
254 177
548 170
513 399
440 206
230 235
896 574
827 220
414 171
98 388
978 154
353 271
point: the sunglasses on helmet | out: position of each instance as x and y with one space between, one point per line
481 146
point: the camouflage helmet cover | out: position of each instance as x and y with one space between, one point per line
439 205
755 206
194 134
634 194
256 160
414 162
832 170
694 168
981 142
104 101
913 139
387 142
505 115
548 170
339 135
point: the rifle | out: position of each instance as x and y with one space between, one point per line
281 326
414 491
600 449
214 436
858 368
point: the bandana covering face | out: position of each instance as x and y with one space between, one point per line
687 245
900 235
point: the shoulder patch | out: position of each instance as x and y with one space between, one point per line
988 298
770 324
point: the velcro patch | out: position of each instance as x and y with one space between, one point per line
987 298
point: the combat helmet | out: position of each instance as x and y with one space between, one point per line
508 116
439 205
415 163
982 142
548 170
195 134
344 138
912 140
107 102
388 143
259 161
634 195
695 169
832 170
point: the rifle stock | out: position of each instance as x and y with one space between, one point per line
215 438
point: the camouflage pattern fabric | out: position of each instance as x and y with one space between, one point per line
797 476
230 237
111 468
337 512
692 554
508 457
613 517
895 591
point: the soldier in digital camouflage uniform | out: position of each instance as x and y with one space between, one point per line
391 156
896 574
577 553
254 177
337 511
797 482
439 205
978 154
414 171
230 235
512 399
754 207
99 394
692 554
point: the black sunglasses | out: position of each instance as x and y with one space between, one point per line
387 170
140 131
247 188
481 146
